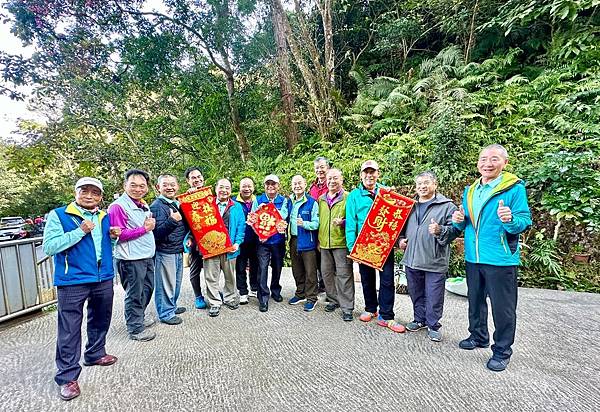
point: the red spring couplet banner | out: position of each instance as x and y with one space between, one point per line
381 229
205 221
268 219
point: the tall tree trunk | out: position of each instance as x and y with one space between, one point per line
325 10
471 40
242 142
285 83
315 76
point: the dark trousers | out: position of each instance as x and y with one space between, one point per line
321 285
426 290
99 297
304 269
269 254
137 277
500 284
387 292
196 265
246 257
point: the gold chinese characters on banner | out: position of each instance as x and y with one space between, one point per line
381 229
205 221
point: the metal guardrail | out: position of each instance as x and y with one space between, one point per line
26 278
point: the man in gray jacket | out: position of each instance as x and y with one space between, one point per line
426 243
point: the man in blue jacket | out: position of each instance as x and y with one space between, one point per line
272 250
248 257
494 212
303 230
79 237
235 222
169 232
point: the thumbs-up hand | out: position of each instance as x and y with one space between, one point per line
87 226
434 228
402 244
504 212
459 215
175 215
149 223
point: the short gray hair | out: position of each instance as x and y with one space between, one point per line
161 177
499 147
428 174
321 159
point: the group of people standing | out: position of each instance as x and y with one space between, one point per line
319 225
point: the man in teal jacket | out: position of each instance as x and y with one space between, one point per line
494 212
358 203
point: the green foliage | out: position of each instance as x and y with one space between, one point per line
568 186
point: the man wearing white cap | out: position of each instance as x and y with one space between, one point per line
358 203
273 249
78 235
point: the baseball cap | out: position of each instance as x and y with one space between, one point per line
274 178
372 164
89 181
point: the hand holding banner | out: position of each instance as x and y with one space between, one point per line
206 223
267 222
383 225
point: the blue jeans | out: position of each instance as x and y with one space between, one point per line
168 272
387 290
426 290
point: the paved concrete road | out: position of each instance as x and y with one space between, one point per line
291 360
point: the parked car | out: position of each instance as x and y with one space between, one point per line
13 228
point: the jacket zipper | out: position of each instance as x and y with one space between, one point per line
503 243
479 218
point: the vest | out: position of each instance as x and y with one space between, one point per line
78 264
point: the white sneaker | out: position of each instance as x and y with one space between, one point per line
149 321
243 299
252 293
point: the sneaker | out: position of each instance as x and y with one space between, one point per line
200 303
434 335
367 316
470 344
331 307
149 321
180 310
391 324
309 306
263 307
347 316
295 300
497 365
214 311
233 305
252 294
415 326
175 320
143 336
278 298
243 299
